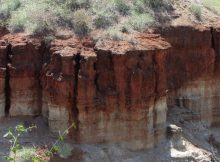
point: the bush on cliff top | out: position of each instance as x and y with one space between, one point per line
81 22
47 16
197 11
33 17
213 5
6 7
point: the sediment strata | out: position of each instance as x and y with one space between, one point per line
113 91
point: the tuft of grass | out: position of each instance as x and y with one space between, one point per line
73 5
103 20
6 7
197 11
140 22
25 154
114 34
104 14
139 6
18 21
34 18
19 153
158 4
81 21
213 5
122 6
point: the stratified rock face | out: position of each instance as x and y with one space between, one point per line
114 92
120 100
193 81
24 69
107 101
58 89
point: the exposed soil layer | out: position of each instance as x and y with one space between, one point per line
115 92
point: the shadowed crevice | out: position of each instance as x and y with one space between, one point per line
155 65
75 111
7 81
44 60
214 46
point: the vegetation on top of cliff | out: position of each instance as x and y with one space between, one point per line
213 5
197 11
80 16
111 17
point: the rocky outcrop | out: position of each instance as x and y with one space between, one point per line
59 82
194 79
121 99
114 92
104 99
24 66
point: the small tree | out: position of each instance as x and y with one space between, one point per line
14 135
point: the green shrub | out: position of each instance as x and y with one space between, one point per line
14 135
34 18
46 17
158 4
103 19
155 3
25 154
19 153
213 5
81 22
6 7
114 34
122 6
104 13
76 4
18 21
140 22
139 6
197 11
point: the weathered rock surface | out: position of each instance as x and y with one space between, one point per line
59 81
24 66
104 99
194 80
113 92
121 99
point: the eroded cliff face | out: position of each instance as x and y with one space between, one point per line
114 92
108 102
194 80
24 71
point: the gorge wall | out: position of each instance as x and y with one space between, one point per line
112 91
